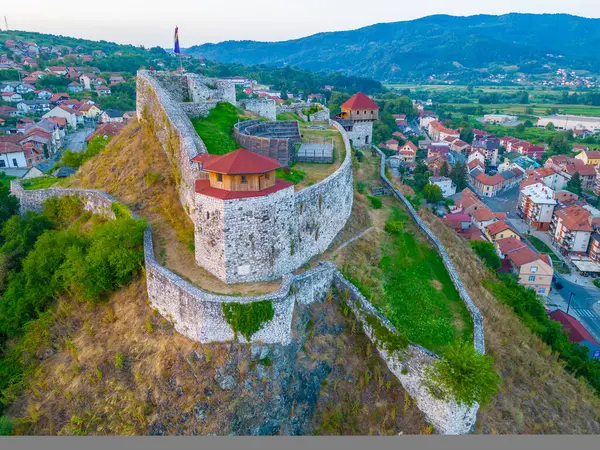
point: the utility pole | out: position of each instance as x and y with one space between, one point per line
569 304
6 22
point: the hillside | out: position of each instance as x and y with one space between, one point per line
416 49
117 367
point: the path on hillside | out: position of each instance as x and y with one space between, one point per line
351 240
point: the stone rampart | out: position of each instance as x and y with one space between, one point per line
262 107
410 367
198 314
95 201
157 106
478 336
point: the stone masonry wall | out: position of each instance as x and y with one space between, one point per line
478 336
262 107
198 315
173 129
361 134
195 313
263 238
410 367
94 201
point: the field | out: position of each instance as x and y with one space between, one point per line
401 274
488 89
538 110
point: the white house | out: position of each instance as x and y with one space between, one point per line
63 111
11 97
445 184
111 115
12 156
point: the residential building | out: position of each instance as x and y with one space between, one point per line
591 157
575 330
487 185
12 156
438 149
65 112
459 222
408 152
536 205
594 253
11 97
534 270
570 229
446 185
500 230
111 115
439 132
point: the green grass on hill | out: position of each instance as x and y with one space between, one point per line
289 116
292 175
39 183
420 299
216 130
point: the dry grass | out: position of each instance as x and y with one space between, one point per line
134 169
538 395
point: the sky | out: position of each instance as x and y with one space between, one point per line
151 22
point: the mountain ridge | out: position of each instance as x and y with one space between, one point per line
430 45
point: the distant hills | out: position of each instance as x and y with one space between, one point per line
441 45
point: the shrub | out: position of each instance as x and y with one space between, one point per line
463 374
5 426
487 253
394 226
248 318
375 202
361 187
597 282
9 204
433 193
359 155
62 211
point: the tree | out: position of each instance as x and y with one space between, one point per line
467 134
433 193
524 99
550 126
486 251
444 169
528 123
559 143
520 128
459 176
9 204
574 184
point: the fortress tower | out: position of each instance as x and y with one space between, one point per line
357 117
244 216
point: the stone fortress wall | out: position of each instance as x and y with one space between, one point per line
361 135
250 239
198 314
273 139
298 108
263 107
321 211
264 238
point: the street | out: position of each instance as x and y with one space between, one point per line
76 141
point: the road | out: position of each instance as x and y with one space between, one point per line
584 304
76 141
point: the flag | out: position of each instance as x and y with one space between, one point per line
177 40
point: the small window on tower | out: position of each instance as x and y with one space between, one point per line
220 177
244 179
267 176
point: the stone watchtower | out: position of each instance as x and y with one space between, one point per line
245 217
357 117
